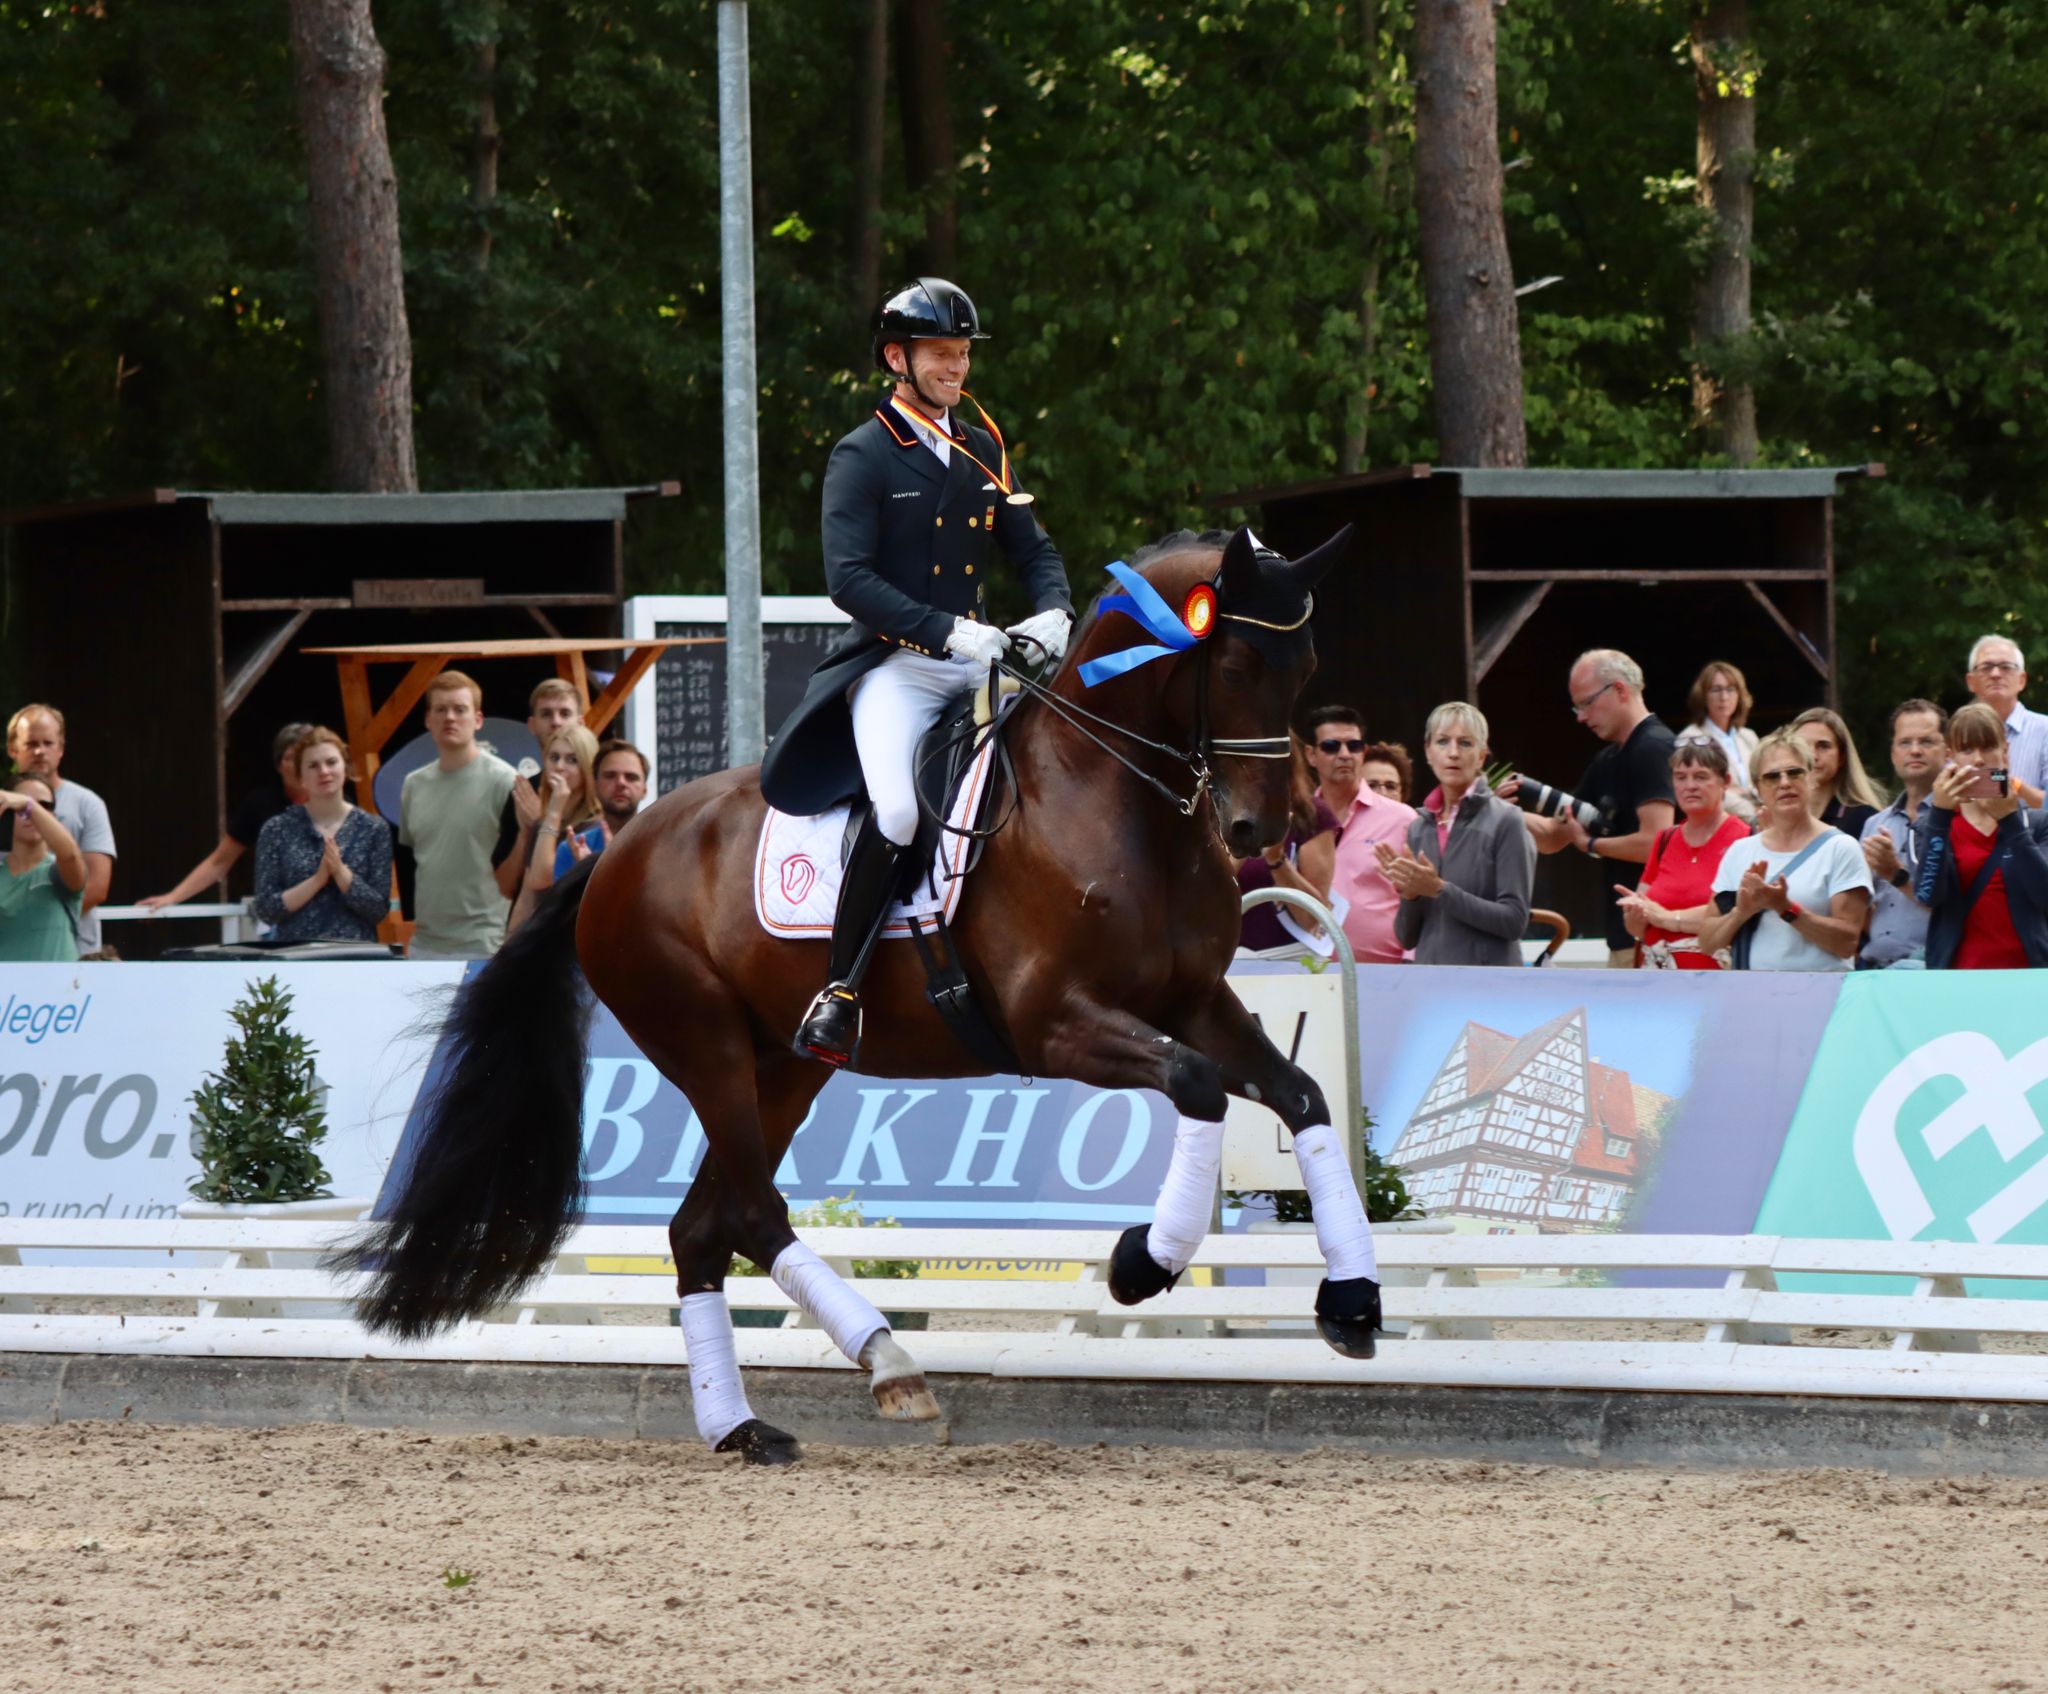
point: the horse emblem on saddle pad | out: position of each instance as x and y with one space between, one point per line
798 873
796 866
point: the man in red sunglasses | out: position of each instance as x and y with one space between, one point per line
1336 751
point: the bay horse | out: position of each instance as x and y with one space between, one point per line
1095 932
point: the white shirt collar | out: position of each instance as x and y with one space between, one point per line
937 442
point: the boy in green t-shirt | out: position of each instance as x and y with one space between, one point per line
448 827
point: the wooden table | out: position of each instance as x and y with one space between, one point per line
371 726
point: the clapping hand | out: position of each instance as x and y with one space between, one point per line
1758 892
1749 892
1881 854
526 803
579 849
332 867
1413 878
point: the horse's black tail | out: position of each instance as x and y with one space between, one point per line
497 1168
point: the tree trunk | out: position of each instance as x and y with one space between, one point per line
484 145
353 197
1475 348
922 91
1724 76
1351 456
871 102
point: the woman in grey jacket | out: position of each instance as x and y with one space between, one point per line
1467 870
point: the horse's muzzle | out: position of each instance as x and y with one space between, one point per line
1243 837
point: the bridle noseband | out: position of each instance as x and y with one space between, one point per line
1205 746
1195 757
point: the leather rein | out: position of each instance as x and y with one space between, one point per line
1195 757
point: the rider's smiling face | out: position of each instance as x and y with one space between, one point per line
940 366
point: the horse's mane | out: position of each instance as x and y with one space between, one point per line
1180 541
1153 552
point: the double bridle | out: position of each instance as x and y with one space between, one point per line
1205 746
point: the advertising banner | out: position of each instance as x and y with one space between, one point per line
1920 1119
98 1064
1895 1105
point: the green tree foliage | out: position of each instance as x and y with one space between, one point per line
1181 224
257 1121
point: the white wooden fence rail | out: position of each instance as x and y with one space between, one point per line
1477 1310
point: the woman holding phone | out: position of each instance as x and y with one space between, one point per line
41 878
1983 860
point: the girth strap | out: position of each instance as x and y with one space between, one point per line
952 996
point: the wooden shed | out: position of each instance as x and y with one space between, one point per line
1483 585
168 628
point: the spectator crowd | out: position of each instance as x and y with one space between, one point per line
475 842
1719 849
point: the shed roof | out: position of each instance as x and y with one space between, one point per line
512 505
1816 482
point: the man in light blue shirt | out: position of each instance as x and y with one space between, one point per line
1997 675
1898 922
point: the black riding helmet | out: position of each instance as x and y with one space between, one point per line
930 309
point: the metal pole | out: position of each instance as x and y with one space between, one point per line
746 733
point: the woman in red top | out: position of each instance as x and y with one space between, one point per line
1983 861
1676 895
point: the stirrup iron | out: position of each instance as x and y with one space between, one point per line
823 1034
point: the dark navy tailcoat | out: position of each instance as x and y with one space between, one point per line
908 546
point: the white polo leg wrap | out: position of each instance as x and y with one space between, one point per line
1341 1230
1187 1198
823 1293
715 1392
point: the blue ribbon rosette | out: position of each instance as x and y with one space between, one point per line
1143 603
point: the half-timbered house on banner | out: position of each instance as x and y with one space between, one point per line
1529 1131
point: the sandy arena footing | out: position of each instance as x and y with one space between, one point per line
243 1561
1526 1426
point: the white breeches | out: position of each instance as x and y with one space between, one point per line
893 705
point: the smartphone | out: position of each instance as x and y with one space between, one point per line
1989 785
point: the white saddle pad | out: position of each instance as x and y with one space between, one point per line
796 869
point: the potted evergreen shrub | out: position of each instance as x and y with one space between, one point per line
258 1121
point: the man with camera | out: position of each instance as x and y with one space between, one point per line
1622 802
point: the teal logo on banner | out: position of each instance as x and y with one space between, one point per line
1923 1116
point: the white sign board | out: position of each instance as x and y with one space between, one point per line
1303 1015
98 1064
677 714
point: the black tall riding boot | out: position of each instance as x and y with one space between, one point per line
831 1028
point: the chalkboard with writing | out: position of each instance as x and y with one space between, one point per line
689 692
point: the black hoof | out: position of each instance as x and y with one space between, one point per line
1134 1274
761 1443
1347 1314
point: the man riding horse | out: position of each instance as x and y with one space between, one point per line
916 502
1097 939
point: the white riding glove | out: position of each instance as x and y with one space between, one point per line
979 643
1047 629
